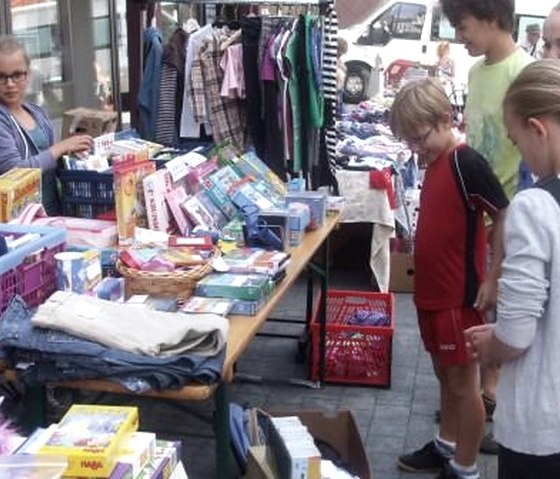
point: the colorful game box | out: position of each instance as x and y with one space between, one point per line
91 437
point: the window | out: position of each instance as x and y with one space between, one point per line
522 22
441 28
402 20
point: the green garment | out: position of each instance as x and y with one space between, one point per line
486 132
316 100
295 102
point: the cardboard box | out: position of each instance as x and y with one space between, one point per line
19 187
401 279
338 430
88 121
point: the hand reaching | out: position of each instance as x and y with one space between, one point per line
72 144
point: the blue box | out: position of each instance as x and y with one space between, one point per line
317 205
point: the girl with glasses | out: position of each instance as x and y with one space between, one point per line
26 133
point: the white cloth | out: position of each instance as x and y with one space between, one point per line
131 327
369 205
189 127
527 418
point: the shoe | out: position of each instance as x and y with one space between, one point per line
489 445
449 473
489 408
426 459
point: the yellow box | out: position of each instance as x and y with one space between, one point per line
91 438
18 188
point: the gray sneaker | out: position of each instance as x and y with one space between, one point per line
489 445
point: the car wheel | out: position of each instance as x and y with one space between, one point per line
356 84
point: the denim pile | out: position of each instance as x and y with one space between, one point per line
41 355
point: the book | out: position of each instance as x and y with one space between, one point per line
201 304
195 179
247 308
156 186
220 219
256 260
220 199
199 242
91 436
198 214
225 178
129 198
182 256
166 457
234 286
174 199
19 187
139 449
246 195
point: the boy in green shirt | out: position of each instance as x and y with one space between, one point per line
485 27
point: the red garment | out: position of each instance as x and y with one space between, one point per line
382 180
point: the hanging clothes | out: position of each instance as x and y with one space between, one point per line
295 97
206 83
250 34
274 152
172 85
148 95
326 171
189 127
233 85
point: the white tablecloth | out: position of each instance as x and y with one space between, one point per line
368 205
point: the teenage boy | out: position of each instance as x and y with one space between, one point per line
551 34
449 257
485 28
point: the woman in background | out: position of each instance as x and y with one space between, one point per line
445 64
26 133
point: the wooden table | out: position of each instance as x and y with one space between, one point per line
312 253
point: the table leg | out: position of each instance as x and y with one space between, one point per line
325 253
221 427
35 400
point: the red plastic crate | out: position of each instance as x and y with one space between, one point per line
30 271
354 354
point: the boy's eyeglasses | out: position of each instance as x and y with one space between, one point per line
419 140
16 77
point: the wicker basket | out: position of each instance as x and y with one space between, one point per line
175 284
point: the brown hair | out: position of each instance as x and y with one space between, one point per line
534 92
501 11
9 45
417 104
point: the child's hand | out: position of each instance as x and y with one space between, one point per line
487 295
479 342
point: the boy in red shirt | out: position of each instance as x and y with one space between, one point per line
450 277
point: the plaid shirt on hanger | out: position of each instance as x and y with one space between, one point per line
206 83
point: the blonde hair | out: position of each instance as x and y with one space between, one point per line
535 93
417 104
9 45
442 49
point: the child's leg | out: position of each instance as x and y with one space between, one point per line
462 411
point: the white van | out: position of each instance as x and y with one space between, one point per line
410 30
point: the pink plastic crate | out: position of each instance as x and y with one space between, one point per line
29 271
355 354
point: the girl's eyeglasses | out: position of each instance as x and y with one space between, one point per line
16 77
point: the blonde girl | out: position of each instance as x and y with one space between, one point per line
526 336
